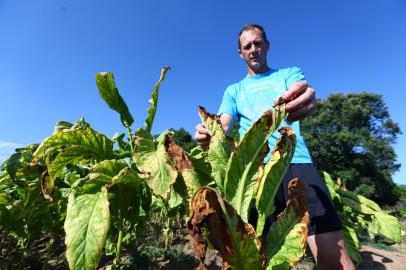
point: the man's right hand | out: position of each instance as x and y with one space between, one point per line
202 136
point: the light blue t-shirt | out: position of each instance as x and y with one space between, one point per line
249 98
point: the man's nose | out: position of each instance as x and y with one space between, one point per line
254 48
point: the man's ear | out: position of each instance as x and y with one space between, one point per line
239 53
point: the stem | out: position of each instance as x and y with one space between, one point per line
119 242
130 137
120 231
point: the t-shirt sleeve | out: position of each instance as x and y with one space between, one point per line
294 74
228 104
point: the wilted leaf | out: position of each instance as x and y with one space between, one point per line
184 166
219 148
109 92
273 174
47 186
154 100
86 225
286 239
215 219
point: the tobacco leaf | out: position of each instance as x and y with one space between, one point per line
245 161
109 92
273 174
47 186
286 239
214 220
220 146
154 100
151 158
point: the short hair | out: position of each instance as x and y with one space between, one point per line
251 26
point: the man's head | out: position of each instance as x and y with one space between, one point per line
253 47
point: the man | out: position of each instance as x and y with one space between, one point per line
246 101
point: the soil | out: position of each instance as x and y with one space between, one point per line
375 258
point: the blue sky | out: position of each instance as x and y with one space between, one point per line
50 51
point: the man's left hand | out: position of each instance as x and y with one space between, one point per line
300 100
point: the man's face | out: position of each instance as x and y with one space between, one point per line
254 49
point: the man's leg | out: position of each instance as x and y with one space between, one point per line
329 251
325 237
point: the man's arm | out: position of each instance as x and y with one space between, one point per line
202 137
300 100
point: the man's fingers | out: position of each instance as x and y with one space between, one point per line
294 90
202 136
302 112
200 128
307 97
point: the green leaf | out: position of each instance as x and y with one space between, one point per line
109 92
201 164
366 203
151 158
292 249
61 125
109 167
69 155
287 236
351 243
246 159
102 174
219 148
86 141
154 100
86 225
331 186
388 226
274 172
18 164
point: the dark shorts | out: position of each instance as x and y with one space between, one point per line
323 216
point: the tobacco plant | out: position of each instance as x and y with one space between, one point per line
242 184
358 215
100 188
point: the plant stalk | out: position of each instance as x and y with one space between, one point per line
120 231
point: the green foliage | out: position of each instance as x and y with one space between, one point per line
240 175
359 214
219 148
350 136
86 225
109 92
102 192
154 101
151 158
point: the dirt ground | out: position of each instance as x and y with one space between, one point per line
374 258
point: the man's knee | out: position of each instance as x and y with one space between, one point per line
329 251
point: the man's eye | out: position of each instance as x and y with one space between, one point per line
247 47
258 43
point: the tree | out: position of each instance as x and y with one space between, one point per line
351 136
